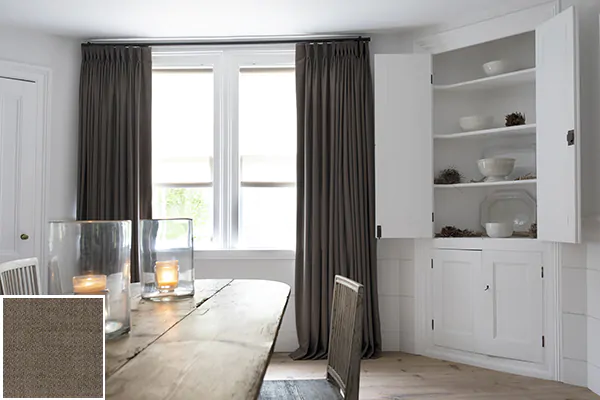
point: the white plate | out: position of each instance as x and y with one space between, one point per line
524 158
515 206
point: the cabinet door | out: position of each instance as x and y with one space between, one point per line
558 165
454 280
509 310
403 145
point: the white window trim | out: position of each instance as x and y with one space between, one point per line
241 254
226 60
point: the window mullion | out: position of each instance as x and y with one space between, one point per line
219 144
233 77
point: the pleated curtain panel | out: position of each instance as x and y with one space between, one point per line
336 189
115 153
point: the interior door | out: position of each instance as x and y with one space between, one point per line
558 131
510 305
403 145
18 107
455 274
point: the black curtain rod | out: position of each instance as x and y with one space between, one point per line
225 43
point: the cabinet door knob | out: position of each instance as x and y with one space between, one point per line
24 236
487 287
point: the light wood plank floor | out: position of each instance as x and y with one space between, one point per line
399 376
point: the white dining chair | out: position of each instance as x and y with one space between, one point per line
20 277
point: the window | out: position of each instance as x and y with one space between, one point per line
224 145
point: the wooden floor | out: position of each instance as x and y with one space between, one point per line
399 376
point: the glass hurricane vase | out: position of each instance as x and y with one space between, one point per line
93 258
166 259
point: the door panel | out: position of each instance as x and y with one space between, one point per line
17 169
510 305
454 277
403 145
558 162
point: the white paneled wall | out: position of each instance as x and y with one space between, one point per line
593 316
396 276
574 314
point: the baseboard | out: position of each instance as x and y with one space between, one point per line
494 363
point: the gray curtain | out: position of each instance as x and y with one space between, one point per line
115 163
336 189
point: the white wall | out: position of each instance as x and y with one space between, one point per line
396 281
62 57
574 314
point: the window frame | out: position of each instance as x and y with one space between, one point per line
226 63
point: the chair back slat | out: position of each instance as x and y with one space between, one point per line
20 277
345 336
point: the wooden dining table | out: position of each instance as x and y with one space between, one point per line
216 345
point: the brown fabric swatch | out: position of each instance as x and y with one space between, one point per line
53 347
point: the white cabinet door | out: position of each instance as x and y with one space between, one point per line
558 132
509 310
403 145
455 275
18 188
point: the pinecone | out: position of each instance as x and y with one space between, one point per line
452 231
533 230
448 176
514 119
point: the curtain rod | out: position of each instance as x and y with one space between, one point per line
127 42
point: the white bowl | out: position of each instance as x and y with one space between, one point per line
499 229
495 67
496 169
476 122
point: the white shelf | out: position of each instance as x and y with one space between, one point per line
492 82
487 184
519 130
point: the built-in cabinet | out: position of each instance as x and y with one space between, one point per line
420 99
489 302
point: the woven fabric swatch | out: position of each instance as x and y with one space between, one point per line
53 347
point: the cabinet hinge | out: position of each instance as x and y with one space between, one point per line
432 217
432 325
378 234
571 137
432 263
542 272
432 79
543 341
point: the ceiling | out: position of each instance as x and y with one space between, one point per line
224 18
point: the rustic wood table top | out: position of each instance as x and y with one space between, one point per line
214 346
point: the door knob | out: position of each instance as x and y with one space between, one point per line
487 287
24 236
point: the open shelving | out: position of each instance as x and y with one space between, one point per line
472 185
492 82
505 131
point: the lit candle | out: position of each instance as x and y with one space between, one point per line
89 284
92 285
167 274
